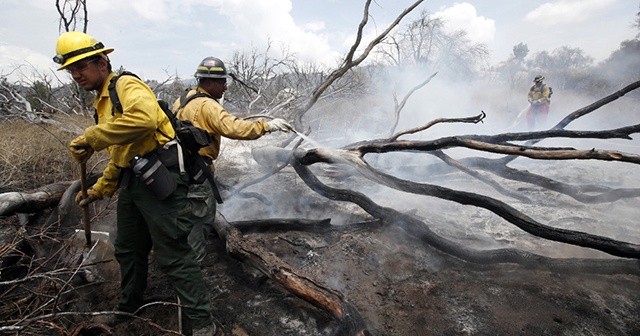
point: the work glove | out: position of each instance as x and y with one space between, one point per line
279 124
80 149
92 196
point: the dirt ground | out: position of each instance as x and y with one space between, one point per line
400 288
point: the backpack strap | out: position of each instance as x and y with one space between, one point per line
184 100
113 93
164 106
167 111
206 170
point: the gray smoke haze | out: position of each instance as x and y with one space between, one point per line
337 123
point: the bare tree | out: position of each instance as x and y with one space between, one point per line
73 13
426 43
262 82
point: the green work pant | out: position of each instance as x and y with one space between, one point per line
144 222
203 203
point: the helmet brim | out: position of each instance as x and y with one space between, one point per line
85 55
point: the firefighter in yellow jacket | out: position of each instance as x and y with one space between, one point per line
201 106
155 214
539 100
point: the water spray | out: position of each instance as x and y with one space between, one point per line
308 139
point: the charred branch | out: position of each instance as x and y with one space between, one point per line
524 222
400 105
474 120
295 281
32 201
421 231
466 169
484 142
598 104
578 192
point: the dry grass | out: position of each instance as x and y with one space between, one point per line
34 155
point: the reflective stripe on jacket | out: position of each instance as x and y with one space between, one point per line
128 133
208 114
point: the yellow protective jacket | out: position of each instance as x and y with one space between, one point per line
539 94
137 130
208 114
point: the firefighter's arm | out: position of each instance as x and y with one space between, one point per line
219 121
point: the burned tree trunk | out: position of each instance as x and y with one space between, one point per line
294 280
32 201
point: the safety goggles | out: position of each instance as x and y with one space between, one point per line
79 66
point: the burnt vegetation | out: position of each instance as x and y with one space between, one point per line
47 276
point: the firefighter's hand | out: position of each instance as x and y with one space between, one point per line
279 124
92 196
80 149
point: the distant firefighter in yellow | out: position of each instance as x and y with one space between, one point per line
539 97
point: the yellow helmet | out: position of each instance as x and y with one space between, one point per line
74 46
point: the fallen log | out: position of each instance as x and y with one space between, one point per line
294 280
32 201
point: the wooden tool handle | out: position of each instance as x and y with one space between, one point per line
85 210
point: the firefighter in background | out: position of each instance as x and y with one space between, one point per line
202 107
539 97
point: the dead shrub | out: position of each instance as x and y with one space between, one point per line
34 155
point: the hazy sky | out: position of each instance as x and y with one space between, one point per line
154 36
